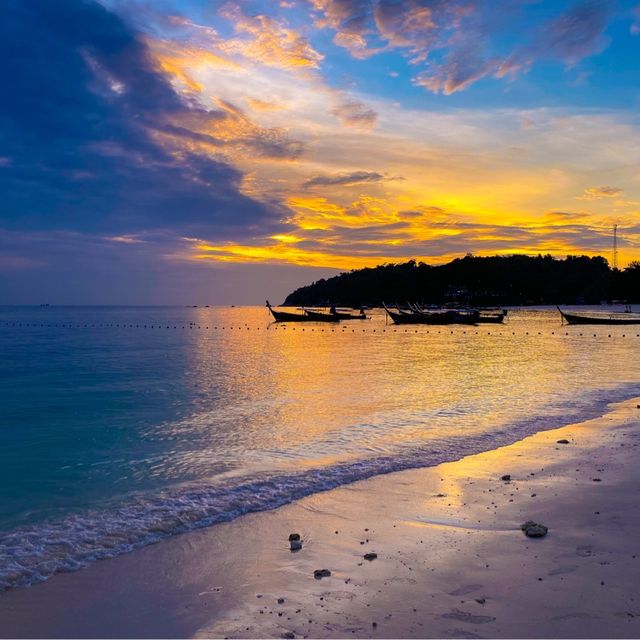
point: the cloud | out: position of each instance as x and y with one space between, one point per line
128 239
182 63
343 247
258 38
82 268
85 124
354 113
562 217
229 127
255 104
268 41
575 34
460 69
597 193
458 42
346 179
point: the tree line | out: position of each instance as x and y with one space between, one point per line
478 281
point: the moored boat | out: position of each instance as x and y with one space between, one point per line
320 316
625 317
345 315
311 315
446 316
287 316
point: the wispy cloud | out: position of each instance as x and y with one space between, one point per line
346 179
355 113
454 41
268 41
229 127
597 193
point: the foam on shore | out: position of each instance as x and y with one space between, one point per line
33 554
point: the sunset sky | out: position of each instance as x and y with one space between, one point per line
195 151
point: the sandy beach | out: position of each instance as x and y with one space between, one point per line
451 558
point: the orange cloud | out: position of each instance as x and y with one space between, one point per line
227 128
262 105
268 41
183 62
597 193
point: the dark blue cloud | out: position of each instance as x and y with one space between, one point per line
82 109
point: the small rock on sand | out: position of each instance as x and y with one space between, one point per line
289 635
563 441
294 536
321 573
532 529
295 545
370 556
506 477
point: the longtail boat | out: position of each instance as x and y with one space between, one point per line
287 316
448 316
334 316
624 317
319 316
345 315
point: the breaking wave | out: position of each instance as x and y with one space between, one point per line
34 553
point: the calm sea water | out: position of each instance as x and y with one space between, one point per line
123 425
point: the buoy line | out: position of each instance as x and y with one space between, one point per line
292 328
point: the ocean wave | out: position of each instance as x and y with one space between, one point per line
32 554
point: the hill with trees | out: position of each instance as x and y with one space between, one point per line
479 281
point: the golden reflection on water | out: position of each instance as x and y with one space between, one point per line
300 396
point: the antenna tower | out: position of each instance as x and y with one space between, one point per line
615 247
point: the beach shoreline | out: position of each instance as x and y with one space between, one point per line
451 558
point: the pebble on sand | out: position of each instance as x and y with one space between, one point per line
563 441
532 529
506 477
295 545
289 635
294 536
321 573
370 556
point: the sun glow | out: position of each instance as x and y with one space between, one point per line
363 182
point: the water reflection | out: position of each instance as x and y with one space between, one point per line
121 409
270 396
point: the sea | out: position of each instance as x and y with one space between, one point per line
122 426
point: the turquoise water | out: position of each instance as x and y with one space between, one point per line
122 425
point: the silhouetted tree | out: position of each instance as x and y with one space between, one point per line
495 280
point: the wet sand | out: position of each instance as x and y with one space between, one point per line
451 558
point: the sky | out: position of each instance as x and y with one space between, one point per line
221 152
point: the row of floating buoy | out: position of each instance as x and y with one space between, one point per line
285 327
